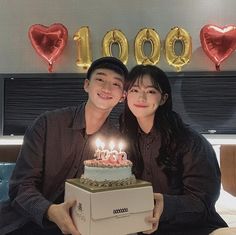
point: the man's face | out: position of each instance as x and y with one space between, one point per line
105 89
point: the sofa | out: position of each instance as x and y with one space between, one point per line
226 204
228 168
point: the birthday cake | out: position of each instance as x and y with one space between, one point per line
109 168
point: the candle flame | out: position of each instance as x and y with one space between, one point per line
102 145
121 145
111 145
98 143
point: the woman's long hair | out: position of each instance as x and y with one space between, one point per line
172 129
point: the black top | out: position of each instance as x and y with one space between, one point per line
190 192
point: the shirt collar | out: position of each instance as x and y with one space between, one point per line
151 133
80 124
79 118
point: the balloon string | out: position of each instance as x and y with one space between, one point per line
50 67
217 67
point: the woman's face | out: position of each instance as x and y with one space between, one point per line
143 98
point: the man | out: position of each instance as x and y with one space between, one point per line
54 149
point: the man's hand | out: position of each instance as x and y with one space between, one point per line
157 211
60 215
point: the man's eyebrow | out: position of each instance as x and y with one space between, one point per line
104 74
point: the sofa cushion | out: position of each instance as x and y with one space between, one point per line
224 231
6 169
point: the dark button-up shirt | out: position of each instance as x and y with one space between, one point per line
53 150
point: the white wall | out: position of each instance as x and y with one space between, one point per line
16 16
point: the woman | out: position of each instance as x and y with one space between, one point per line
180 163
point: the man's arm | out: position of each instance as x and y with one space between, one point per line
27 179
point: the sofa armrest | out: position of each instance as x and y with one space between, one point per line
228 168
9 153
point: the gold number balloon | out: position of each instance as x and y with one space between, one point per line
147 35
84 55
115 36
178 34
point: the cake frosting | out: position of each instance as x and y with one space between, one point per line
108 169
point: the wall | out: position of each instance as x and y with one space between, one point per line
18 56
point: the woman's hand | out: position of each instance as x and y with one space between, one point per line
60 215
157 211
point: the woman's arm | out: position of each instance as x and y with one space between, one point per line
201 187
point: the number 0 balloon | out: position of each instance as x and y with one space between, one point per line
147 35
115 36
178 34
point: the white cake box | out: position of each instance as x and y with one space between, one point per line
106 211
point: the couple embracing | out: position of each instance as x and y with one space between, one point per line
180 164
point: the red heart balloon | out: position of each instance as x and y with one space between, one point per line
218 42
48 42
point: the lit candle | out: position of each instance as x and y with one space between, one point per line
111 145
120 146
113 155
122 155
104 152
98 151
102 145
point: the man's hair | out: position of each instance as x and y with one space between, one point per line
110 63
